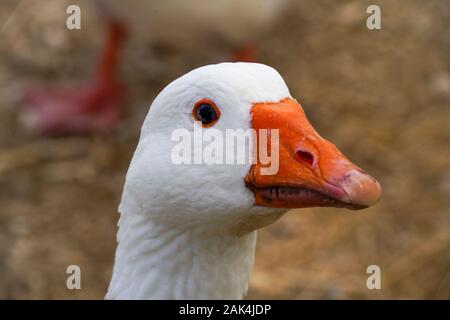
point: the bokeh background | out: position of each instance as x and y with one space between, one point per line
383 97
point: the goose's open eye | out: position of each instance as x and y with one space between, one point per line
206 112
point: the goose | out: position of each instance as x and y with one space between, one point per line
188 231
97 105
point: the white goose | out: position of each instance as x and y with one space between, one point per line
186 26
190 22
189 231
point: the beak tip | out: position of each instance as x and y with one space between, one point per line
362 189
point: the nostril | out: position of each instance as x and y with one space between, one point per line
305 156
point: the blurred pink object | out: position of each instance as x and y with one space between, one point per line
94 107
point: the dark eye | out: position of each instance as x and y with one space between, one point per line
206 112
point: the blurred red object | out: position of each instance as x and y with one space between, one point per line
94 107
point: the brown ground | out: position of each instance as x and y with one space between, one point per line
381 96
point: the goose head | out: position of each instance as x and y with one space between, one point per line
182 173
192 199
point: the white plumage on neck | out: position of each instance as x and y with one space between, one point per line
155 261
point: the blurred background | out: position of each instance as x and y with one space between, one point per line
382 96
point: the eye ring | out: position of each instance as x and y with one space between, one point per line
206 112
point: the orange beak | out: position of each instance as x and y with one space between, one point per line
312 172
